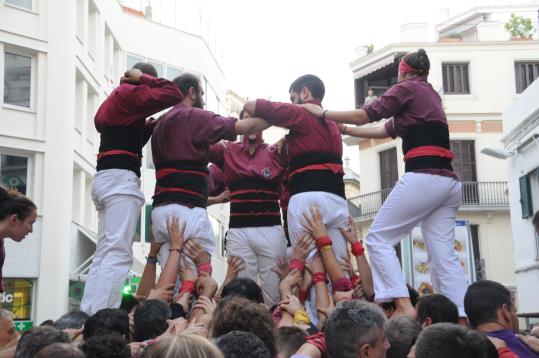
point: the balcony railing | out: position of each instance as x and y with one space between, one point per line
467 32
475 195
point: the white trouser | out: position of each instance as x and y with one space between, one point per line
431 201
118 199
197 227
259 247
334 211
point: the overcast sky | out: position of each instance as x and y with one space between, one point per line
266 44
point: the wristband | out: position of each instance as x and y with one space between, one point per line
343 284
301 316
303 295
324 114
328 247
297 264
319 277
151 260
179 251
204 268
187 286
357 249
323 241
319 341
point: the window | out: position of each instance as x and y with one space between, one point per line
173 72
81 20
464 159
131 60
27 4
464 166
456 79
13 172
17 298
79 99
526 196
92 29
158 67
389 173
17 79
525 74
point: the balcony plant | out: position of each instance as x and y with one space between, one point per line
520 28
451 37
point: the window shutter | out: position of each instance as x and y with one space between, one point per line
525 196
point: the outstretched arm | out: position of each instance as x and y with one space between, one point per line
251 125
357 117
378 131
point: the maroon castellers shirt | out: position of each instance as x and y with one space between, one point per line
307 133
216 180
410 103
185 134
236 163
130 104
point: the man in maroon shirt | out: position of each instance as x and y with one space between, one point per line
180 146
121 122
315 152
253 171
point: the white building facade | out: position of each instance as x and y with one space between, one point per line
478 71
521 141
58 62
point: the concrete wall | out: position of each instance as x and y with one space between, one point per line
77 55
521 121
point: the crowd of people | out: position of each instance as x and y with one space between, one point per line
298 282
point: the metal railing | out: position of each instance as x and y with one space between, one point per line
467 32
474 195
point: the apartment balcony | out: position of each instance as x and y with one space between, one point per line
476 196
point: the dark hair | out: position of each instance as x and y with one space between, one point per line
312 82
74 319
107 320
106 346
483 299
289 340
146 68
239 314
449 340
351 325
242 113
128 303
35 339
64 350
401 333
243 287
240 344
438 308
13 202
419 61
48 322
151 320
186 81
535 220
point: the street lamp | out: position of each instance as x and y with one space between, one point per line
497 153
